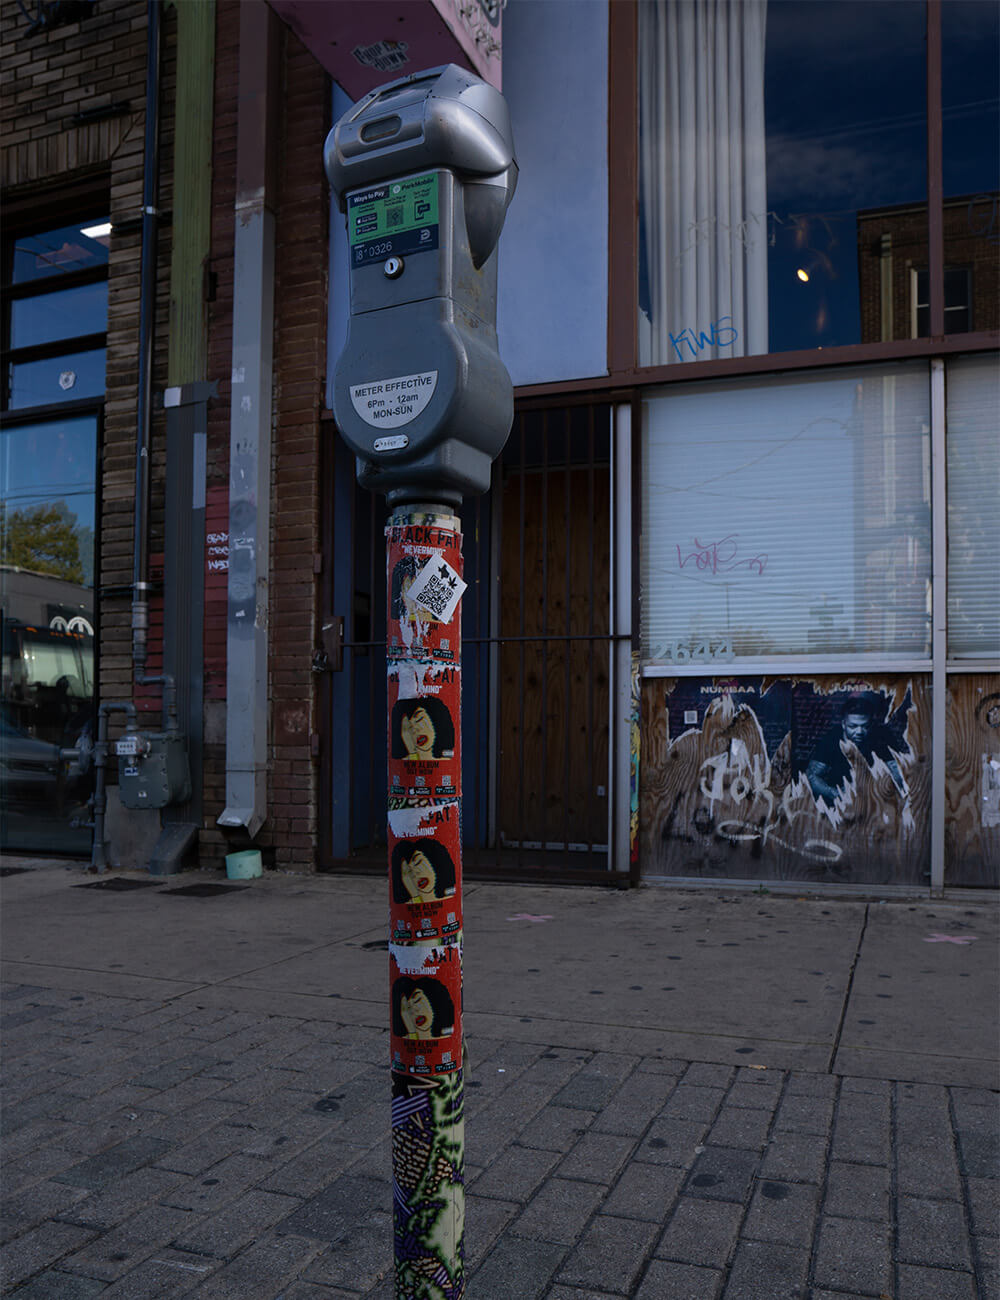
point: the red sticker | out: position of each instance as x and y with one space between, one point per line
424 711
425 865
415 630
425 994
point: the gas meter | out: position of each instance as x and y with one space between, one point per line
152 769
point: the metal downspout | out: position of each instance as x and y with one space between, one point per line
147 311
147 319
250 424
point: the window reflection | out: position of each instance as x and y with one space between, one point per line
64 378
766 128
970 74
64 314
47 612
58 252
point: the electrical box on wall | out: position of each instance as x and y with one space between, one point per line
362 44
153 769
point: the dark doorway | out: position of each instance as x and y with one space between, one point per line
535 658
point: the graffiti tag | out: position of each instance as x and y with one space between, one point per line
745 781
720 557
696 340
703 230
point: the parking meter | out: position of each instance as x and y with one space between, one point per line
424 168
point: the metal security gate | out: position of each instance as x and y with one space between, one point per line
537 659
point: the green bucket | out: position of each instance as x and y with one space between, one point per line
245 865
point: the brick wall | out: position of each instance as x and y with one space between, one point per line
47 158
968 224
299 374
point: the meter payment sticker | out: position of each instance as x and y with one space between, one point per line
393 219
388 403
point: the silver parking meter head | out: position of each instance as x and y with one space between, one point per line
424 169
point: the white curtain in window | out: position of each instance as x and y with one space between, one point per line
703 182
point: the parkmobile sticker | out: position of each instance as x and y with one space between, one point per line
388 403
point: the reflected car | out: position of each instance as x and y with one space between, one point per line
33 773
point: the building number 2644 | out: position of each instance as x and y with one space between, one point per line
696 652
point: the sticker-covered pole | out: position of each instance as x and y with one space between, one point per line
423 667
424 170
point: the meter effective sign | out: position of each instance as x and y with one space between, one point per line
388 403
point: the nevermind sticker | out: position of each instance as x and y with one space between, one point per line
389 403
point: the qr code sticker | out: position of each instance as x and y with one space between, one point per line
437 588
394 216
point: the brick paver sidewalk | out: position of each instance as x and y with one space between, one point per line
155 1150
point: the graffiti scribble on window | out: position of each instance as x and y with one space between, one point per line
722 556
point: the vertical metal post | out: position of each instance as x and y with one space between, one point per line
939 623
247 641
423 668
622 668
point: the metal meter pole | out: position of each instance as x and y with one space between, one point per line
423 669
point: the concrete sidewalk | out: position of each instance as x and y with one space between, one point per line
673 1094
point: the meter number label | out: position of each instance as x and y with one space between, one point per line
393 219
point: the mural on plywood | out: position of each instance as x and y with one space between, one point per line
808 778
972 790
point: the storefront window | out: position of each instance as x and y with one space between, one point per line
787 518
47 520
973 508
58 308
56 294
783 176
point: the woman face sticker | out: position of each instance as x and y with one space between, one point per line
418 734
417 1014
419 878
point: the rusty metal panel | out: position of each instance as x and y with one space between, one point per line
362 45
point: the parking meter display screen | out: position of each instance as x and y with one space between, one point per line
398 218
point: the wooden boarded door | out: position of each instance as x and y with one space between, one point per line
554 645
972 781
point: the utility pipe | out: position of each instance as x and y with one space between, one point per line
98 857
147 316
144 405
250 421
